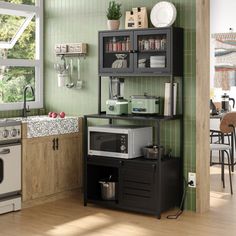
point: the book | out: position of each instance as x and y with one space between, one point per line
167 99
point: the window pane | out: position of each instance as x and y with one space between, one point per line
28 2
9 26
12 83
25 45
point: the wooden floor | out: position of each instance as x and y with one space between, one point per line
68 217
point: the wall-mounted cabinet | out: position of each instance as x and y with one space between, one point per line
148 52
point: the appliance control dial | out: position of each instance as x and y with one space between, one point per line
13 132
122 147
5 133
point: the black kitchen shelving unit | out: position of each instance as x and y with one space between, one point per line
147 186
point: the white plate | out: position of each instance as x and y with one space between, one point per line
163 14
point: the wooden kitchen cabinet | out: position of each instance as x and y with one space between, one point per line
37 168
68 174
51 165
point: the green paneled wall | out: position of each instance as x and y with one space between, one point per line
80 21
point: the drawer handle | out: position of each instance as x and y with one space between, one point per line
54 144
57 144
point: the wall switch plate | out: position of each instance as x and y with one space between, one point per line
192 179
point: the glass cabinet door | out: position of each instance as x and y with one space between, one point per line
152 51
115 52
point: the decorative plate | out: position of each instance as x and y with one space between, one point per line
163 14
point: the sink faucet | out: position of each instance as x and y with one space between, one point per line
26 110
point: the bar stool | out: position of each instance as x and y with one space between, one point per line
227 125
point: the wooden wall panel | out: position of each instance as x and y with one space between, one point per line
202 104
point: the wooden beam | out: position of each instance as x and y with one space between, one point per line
202 104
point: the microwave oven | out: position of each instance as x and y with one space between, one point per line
118 141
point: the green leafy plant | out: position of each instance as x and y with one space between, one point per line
113 11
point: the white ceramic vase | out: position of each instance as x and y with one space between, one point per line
113 24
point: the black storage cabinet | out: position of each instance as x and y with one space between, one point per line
147 186
172 51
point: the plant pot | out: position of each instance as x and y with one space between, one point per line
113 24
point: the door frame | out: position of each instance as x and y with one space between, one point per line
202 105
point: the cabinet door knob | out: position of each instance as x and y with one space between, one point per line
121 163
54 144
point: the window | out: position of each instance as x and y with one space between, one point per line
21 52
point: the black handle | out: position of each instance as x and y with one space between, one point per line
231 99
154 167
57 144
121 163
133 51
5 151
54 144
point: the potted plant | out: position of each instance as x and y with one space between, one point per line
113 15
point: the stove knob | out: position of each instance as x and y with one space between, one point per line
5 133
13 132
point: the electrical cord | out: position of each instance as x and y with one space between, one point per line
180 211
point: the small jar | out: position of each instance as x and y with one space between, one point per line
107 47
151 44
114 44
119 47
163 44
110 48
127 44
123 46
157 44
146 45
140 45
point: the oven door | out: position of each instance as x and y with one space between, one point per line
10 169
108 144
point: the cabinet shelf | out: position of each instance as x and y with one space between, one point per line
117 52
135 117
151 51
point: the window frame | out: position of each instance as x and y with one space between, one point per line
37 10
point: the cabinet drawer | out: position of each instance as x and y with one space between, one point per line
137 186
103 161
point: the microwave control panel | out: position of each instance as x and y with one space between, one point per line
123 144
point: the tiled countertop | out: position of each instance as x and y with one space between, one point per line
40 126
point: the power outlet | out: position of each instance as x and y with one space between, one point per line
192 180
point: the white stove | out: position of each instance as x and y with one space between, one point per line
10 165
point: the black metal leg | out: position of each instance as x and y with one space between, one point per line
85 161
230 178
222 169
232 155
